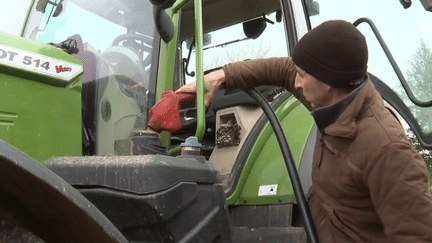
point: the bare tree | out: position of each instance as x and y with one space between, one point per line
235 52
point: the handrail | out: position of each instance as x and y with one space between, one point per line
201 122
393 62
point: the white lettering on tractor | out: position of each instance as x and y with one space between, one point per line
12 55
34 62
5 54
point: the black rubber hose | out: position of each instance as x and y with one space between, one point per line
289 161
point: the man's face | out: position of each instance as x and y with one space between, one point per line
317 93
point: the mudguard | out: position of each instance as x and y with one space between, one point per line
152 198
35 198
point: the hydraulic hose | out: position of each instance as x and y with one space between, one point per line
289 161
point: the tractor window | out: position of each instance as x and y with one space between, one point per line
77 21
408 34
114 39
231 44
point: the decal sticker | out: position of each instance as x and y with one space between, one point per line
15 57
267 190
60 69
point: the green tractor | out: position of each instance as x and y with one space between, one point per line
78 77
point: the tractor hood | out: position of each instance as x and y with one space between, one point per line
37 61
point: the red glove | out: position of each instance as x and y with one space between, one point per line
165 115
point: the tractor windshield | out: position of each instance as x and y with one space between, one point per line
114 41
103 27
407 32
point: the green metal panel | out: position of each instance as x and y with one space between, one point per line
265 164
166 68
39 119
39 114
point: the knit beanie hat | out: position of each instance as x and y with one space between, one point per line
334 52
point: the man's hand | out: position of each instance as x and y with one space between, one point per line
213 82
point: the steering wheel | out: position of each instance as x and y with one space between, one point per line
146 45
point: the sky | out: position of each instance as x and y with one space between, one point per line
13 15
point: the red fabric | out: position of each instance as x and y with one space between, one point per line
165 115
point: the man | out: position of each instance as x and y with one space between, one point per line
369 184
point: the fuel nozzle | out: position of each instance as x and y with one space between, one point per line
191 146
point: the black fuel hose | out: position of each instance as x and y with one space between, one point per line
289 161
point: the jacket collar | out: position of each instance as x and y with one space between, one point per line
340 119
326 116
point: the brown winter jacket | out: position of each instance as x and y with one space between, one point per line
369 184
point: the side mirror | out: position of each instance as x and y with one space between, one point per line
42 5
163 4
313 7
427 4
254 28
207 39
58 10
164 24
